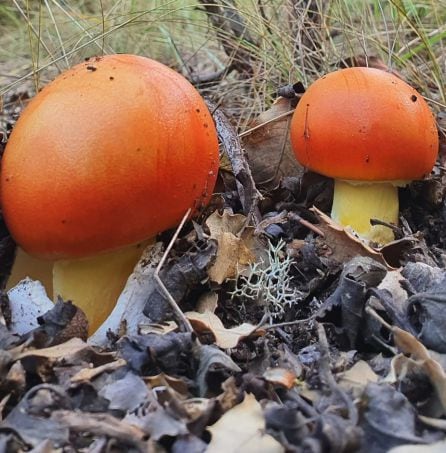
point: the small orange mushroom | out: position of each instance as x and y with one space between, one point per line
371 132
112 152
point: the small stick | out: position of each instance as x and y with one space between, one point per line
305 223
327 376
177 310
261 324
278 117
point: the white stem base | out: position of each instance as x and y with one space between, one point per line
355 204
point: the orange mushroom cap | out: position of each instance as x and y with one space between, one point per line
364 124
110 153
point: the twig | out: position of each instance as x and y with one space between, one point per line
305 223
261 324
265 123
327 376
249 195
183 321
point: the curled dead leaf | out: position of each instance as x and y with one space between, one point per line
242 428
208 322
341 244
268 146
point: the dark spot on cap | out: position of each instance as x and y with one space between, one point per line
87 59
111 78
367 159
91 68
197 110
413 98
205 124
64 221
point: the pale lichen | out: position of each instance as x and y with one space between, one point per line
269 283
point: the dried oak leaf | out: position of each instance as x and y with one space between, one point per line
341 244
208 322
151 354
27 301
421 358
357 378
235 245
117 392
101 424
31 417
388 420
180 277
269 149
428 318
437 447
74 352
214 368
359 274
58 325
242 428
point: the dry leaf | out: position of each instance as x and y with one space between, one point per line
280 376
437 447
341 243
128 312
242 429
63 350
87 374
27 301
225 223
224 338
421 359
357 377
234 243
269 149
207 302
160 329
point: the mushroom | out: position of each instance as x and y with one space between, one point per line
112 152
372 133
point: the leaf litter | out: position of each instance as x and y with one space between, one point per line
301 338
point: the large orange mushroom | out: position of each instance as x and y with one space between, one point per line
112 152
371 132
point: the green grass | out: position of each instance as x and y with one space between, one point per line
282 44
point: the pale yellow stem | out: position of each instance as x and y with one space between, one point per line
94 284
27 266
354 204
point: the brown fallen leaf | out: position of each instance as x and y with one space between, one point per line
357 377
207 302
234 241
415 357
87 374
437 447
225 223
74 350
268 147
408 344
242 429
281 377
224 338
341 244
68 348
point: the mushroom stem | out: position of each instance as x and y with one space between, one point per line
354 204
94 284
35 268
